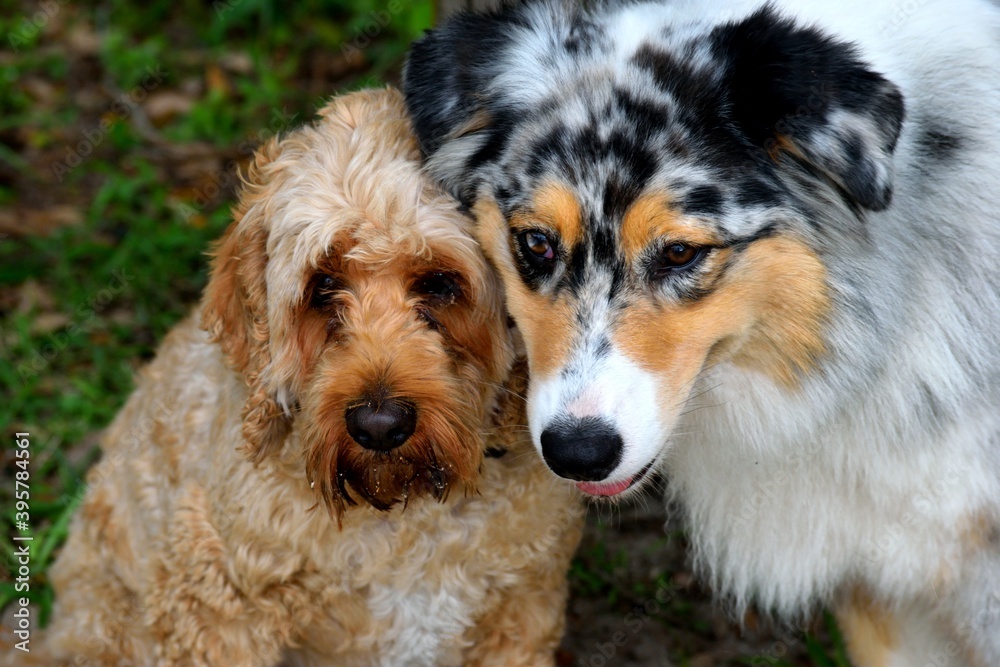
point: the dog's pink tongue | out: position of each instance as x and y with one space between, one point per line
604 489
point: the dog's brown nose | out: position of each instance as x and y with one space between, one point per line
382 426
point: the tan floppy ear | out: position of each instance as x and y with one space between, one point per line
234 310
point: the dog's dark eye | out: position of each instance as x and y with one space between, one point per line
678 257
537 254
538 245
438 286
324 291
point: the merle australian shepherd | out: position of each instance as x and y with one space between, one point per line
755 247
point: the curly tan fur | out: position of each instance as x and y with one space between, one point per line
209 534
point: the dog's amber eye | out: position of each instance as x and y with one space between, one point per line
438 286
678 256
538 245
324 290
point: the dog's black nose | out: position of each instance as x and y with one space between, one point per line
382 427
584 450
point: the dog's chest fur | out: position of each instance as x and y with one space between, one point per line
419 579
788 520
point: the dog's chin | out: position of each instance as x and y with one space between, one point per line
384 480
431 464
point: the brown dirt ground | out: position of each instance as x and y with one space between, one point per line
652 611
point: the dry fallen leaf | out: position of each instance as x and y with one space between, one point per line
163 106
43 92
32 297
238 62
38 222
82 40
44 323
216 80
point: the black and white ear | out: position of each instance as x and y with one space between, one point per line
443 75
445 80
793 88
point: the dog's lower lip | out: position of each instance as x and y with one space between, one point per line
608 489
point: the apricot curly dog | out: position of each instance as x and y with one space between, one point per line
350 364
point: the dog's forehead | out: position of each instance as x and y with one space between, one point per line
386 209
433 234
636 112
612 149
613 159
553 53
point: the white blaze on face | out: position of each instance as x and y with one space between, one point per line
611 388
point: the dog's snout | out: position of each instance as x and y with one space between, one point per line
584 450
382 426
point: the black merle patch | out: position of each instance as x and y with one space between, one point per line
584 37
602 348
779 73
576 269
647 117
708 136
757 191
603 245
597 249
551 150
704 200
671 74
570 155
938 144
446 69
783 79
619 194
